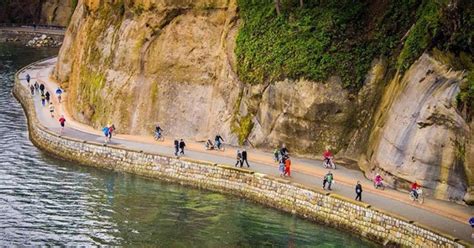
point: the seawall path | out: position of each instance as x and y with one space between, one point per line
446 217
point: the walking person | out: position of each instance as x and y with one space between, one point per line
62 120
238 159
36 86
111 130
181 146
358 190
47 96
328 179
281 166
276 155
59 92
287 167
471 222
41 87
43 99
32 89
105 130
244 158
51 110
28 77
176 147
218 141
284 151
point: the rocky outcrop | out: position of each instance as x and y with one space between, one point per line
419 134
43 41
169 63
57 12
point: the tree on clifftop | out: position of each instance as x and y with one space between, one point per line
277 6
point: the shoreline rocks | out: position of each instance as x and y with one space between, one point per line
43 41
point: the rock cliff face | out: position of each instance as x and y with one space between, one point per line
168 62
138 63
57 12
419 134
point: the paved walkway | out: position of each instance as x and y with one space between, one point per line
38 30
444 216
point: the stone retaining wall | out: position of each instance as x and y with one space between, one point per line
311 203
7 35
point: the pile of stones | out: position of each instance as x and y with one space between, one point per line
43 41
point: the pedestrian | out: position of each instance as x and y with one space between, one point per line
62 120
41 87
471 222
36 86
34 26
284 151
176 147
244 158
181 146
276 155
32 89
47 95
281 166
105 130
28 77
51 110
358 190
287 167
111 129
238 159
43 99
328 179
58 93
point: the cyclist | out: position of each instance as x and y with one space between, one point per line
414 189
378 181
327 155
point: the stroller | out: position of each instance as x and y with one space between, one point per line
209 145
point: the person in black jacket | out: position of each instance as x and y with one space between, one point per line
181 146
358 190
47 96
238 159
244 158
42 88
176 147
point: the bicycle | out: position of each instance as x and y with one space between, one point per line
159 137
328 163
420 197
379 185
220 147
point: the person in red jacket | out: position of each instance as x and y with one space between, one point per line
62 120
327 155
287 167
414 187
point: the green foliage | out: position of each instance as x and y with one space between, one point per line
89 92
427 26
465 98
243 129
322 39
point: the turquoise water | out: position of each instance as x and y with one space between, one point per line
44 200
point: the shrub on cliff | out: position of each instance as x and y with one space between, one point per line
341 38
